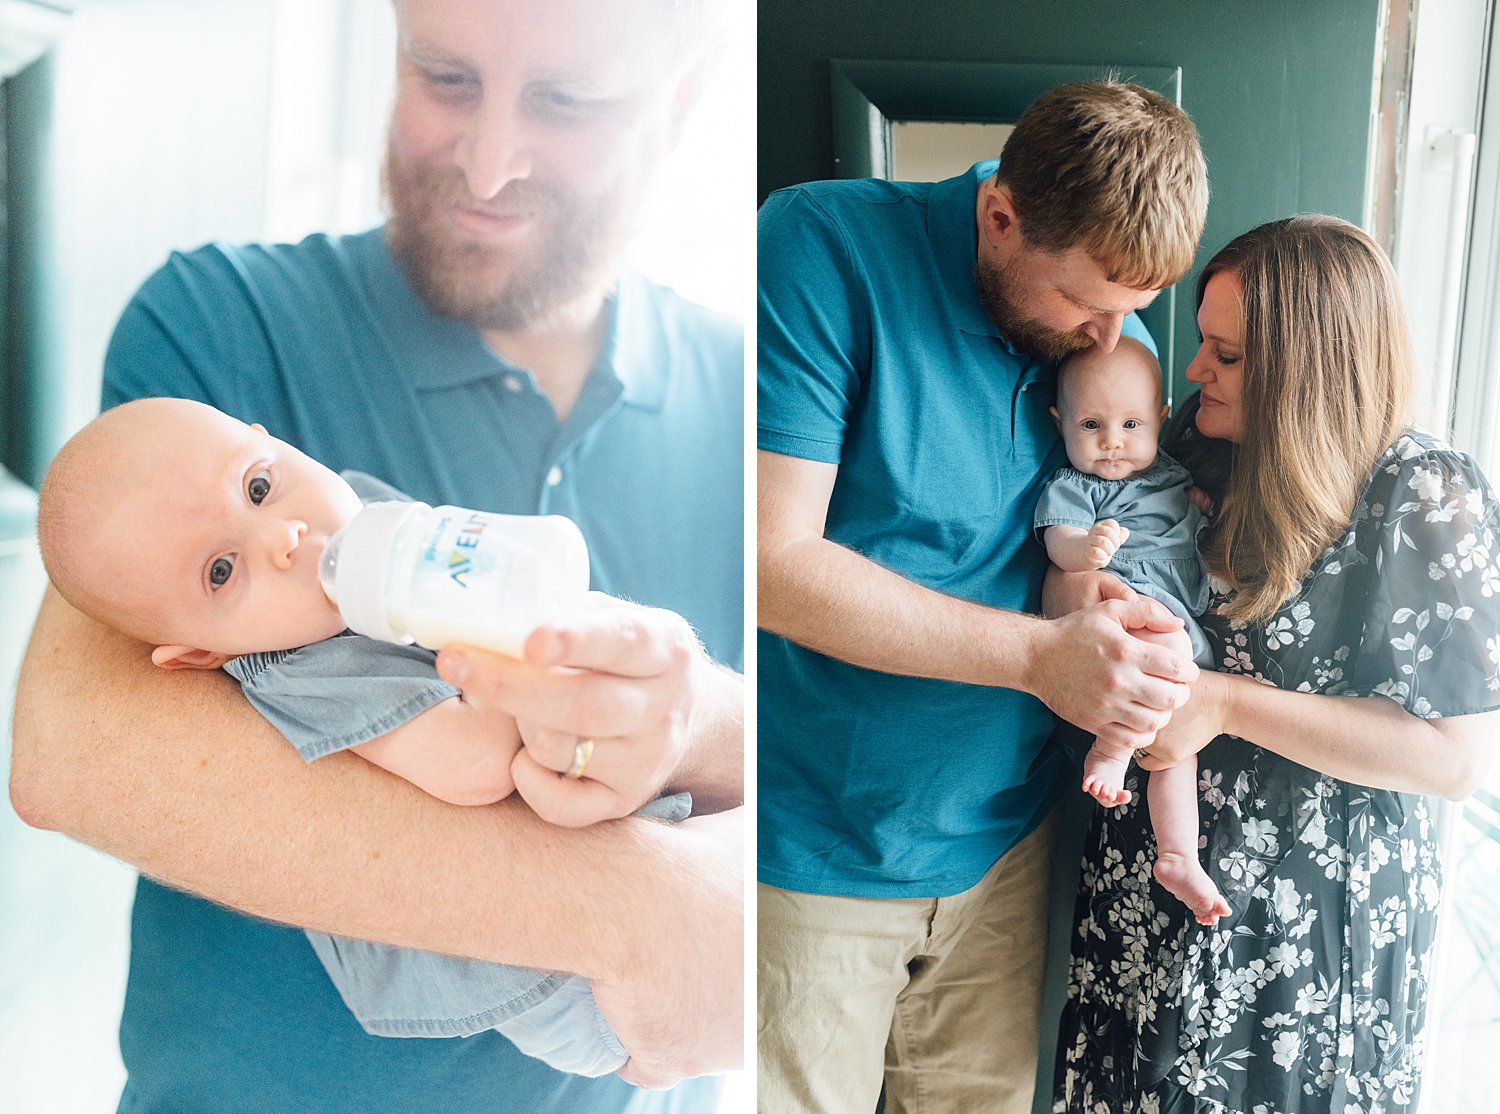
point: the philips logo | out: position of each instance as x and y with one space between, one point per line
461 560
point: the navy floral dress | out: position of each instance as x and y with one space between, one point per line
1310 996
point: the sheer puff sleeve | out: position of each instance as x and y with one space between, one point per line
1430 528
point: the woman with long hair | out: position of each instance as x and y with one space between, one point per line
1355 622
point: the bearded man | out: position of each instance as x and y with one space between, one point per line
485 348
909 335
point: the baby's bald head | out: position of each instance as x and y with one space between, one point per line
1109 409
1130 372
118 454
181 526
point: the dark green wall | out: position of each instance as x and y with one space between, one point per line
32 425
1281 90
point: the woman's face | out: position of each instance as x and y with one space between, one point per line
1219 366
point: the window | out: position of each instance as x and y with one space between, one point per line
1447 255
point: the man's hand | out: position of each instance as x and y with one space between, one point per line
620 689
682 1012
1066 592
1089 669
128 757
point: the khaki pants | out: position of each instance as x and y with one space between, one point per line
937 997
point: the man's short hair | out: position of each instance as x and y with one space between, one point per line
1112 167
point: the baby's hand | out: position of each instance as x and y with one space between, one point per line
1104 539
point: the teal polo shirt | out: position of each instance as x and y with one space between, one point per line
324 344
876 354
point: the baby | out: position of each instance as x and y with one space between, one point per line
201 536
1123 504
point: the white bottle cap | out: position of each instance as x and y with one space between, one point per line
359 580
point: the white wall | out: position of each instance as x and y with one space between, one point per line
158 137
1438 261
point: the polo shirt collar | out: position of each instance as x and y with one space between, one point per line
953 229
635 351
632 363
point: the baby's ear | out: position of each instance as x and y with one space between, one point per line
185 657
1165 410
1056 417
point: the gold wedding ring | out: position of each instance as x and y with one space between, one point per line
582 752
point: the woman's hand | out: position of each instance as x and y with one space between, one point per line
1200 499
1196 724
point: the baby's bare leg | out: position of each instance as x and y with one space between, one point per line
1172 796
1105 764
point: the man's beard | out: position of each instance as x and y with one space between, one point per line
490 286
1026 334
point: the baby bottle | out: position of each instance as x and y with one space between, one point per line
407 572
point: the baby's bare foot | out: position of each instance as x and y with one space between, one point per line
1185 879
1104 776
1106 792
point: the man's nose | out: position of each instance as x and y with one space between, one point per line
494 151
1105 329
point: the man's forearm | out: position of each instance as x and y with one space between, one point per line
1087 666
179 776
839 603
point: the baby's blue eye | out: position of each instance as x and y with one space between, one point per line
1131 423
1089 423
219 572
258 488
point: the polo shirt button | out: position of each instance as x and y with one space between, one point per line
554 477
512 384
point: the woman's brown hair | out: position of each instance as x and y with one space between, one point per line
1327 385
